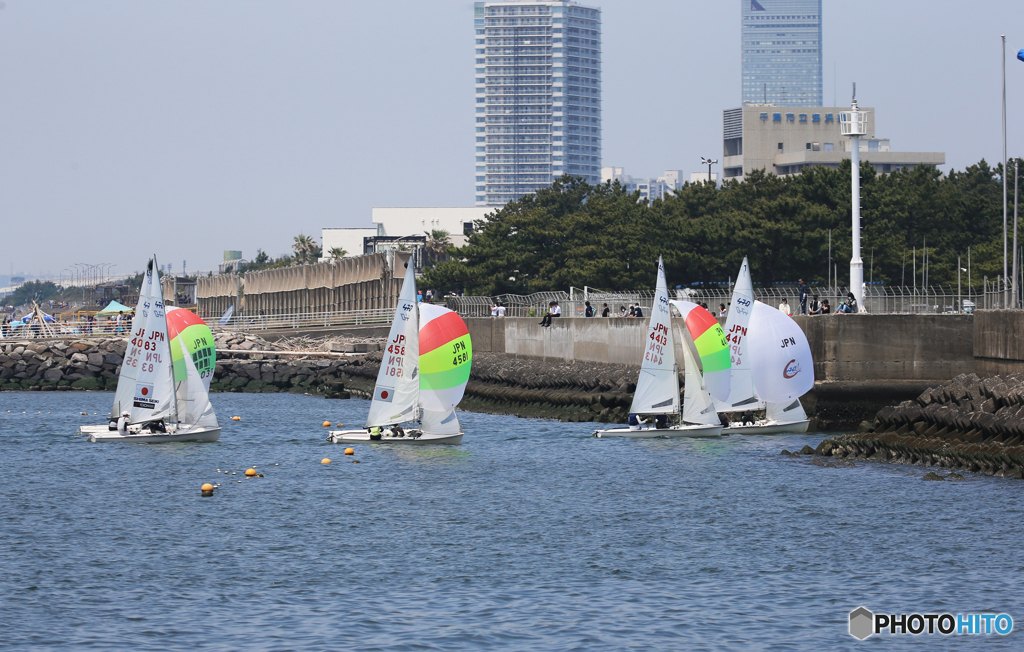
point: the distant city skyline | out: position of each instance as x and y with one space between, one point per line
188 128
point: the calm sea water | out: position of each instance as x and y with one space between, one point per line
530 536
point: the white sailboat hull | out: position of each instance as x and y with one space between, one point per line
363 437
769 428
688 430
105 434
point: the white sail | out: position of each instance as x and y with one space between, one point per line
657 387
194 407
781 361
786 411
145 387
396 394
440 423
742 395
129 366
697 403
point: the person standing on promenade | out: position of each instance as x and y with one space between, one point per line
802 289
605 311
784 308
589 311
501 310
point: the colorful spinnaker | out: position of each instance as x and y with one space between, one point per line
186 326
712 348
446 355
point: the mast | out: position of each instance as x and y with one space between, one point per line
158 289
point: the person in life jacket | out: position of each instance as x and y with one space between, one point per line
635 422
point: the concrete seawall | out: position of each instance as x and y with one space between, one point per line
870 348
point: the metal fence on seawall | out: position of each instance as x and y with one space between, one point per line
103 327
880 299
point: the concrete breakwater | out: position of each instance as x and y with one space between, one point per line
969 423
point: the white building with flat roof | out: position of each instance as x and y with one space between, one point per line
394 224
649 188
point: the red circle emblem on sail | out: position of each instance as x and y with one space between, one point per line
384 394
145 390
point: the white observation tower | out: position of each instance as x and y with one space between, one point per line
854 123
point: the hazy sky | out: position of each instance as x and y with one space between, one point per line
186 128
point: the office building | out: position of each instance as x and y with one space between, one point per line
785 140
538 96
781 52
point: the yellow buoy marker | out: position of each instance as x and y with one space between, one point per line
250 473
327 424
207 490
326 460
349 451
236 418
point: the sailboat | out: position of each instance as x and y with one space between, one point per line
422 377
657 387
751 329
147 388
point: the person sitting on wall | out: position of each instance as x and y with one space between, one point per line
553 311
638 311
826 309
815 307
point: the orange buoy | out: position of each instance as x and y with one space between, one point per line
327 424
350 451
207 490
250 472
326 460
236 418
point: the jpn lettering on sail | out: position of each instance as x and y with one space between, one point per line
446 356
781 361
126 389
712 349
657 386
396 394
741 393
149 354
194 407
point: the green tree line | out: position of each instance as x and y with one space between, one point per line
575 234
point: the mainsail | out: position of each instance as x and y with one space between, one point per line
657 387
781 362
741 395
145 387
396 394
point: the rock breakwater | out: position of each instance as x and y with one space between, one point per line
970 424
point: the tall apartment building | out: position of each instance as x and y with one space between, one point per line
538 96
782 52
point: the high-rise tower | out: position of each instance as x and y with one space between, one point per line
782 52
538 96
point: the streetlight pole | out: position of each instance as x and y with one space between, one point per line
708 162
1005 270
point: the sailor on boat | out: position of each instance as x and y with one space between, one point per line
122 423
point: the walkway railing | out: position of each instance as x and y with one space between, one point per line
877 299
103 328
